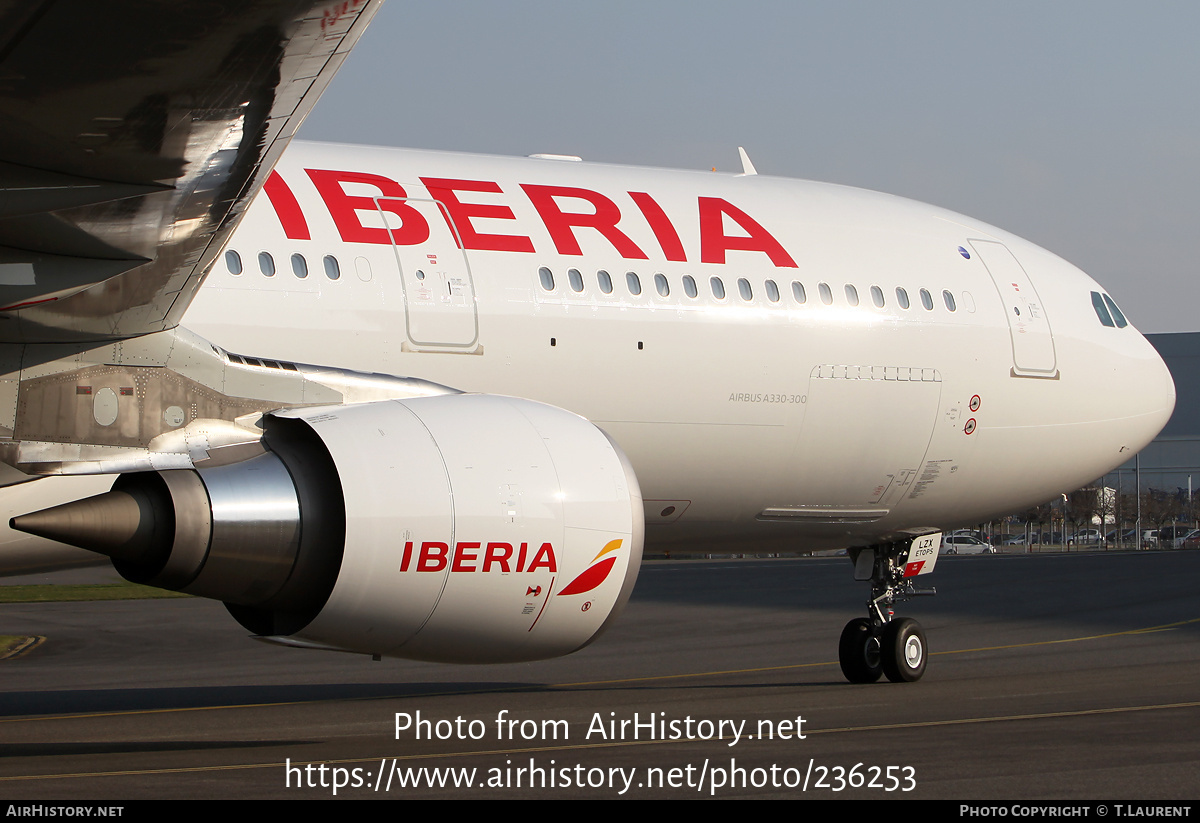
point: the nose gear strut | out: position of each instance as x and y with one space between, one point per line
881 643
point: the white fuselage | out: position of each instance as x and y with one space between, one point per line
748 417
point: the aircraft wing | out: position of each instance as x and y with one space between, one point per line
133 135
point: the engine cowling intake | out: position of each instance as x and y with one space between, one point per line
464 528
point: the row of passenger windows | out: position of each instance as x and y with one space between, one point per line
266 264
1106 309
633 283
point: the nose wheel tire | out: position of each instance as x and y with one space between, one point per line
903 650
859 652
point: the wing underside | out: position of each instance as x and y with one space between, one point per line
133 135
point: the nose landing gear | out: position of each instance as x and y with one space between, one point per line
859 651
881 643
903 650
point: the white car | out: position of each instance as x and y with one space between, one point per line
965 544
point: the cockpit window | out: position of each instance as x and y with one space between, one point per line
1116 313
1101 309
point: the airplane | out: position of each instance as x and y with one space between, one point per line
433 405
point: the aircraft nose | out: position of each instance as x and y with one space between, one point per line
1165 405
1153 388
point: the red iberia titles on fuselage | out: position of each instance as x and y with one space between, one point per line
476 210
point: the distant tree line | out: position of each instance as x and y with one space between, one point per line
1094 507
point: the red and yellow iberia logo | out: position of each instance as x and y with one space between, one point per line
596 573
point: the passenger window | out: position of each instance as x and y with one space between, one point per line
949 299
605 281
332 270
926 300
299 266
902 298
547 278
851 295
634 283
1101 309
772 291
718 288
826 293
877 296
1116 313
744 289
689 286
661 285
233 262
798 292
576 280
266 263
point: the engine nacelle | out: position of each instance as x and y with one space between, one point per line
463 528
478 529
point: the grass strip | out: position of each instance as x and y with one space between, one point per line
63 594
9 643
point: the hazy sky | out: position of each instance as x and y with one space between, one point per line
1074 124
